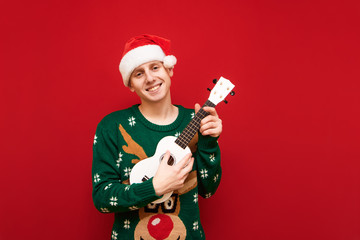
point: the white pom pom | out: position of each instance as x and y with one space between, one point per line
169 61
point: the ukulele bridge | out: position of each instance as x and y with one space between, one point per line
145 178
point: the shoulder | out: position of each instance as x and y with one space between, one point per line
187 113
114 118
185 109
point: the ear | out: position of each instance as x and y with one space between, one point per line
170 71
130 86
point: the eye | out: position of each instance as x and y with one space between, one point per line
138 74
156 67
169 206
152 208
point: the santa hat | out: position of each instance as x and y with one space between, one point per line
142 49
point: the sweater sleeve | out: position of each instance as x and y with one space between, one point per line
110 193
208 165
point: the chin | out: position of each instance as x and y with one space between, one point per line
157 98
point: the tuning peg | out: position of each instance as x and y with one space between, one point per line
214 80
225 101
209 89
232 93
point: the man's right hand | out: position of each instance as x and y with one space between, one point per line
170 178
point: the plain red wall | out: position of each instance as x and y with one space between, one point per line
291 137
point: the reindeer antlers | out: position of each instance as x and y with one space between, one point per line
132 147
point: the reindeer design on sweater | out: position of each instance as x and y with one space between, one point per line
160 221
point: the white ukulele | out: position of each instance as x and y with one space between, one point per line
178 147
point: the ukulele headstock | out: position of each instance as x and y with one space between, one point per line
222 88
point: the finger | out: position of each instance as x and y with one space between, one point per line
183 178
212 131
209 118
166 157
184 161
209 125
187 169
189 166
197 107
210 110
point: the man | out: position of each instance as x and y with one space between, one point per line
126 137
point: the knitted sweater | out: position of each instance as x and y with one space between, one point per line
124 138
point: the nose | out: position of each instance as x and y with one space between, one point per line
149 76
160 226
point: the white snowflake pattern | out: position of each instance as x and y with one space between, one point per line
104 210
127 188
207 195
132 121
113 201
114 235
177 134
126 224
216 177
127 171
203 173
212 157
95 137
195 198
192 115
96 178
119 160
195 225
107 186
133 208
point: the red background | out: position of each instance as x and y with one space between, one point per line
290 146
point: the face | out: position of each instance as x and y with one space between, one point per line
151 81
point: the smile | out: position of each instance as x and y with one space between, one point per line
154 88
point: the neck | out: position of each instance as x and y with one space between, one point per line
160 113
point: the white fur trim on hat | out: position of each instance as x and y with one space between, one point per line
169 61
137 57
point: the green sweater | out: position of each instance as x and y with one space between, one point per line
122 139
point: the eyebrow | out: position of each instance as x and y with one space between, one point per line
140 69
136 71
153 64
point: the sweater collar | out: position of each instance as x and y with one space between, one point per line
160 128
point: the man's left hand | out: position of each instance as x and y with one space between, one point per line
211 124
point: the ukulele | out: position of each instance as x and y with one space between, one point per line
178 147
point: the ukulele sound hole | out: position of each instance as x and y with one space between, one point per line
171 160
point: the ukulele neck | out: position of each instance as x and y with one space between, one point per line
193 127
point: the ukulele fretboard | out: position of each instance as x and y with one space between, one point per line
193 127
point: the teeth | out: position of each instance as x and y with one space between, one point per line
154 88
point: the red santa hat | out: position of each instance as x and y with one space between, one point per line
142 49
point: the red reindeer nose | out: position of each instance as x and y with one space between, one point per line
160 226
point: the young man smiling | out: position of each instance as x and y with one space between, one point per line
126 137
